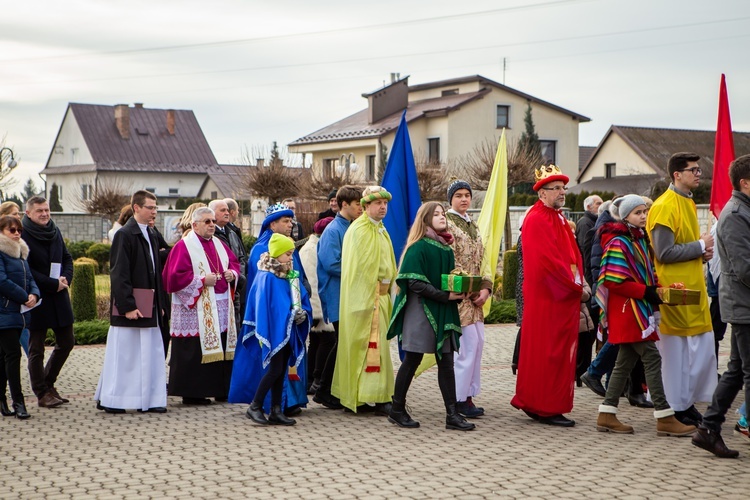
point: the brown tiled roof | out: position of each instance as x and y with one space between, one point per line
483 80
356 127
150 147
656 145
232 179
584 154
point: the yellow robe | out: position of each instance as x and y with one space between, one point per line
679 214
368 269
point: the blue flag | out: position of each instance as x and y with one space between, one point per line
400 179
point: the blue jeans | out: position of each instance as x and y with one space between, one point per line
25 341
604 361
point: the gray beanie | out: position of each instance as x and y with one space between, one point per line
455 186
622 207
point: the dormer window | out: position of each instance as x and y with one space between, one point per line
449 92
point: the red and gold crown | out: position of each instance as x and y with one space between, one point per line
548 173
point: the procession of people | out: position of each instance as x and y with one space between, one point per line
240 322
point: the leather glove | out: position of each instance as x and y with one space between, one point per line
651 296
300 316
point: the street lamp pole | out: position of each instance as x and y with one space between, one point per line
11 164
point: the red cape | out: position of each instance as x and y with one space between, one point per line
552 304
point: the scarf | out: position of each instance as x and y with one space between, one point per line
41 233
273 266
445 238
626 257
208 314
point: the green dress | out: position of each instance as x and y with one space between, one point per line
426 260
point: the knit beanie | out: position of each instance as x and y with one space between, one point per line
279 245
320 226
455 186
623 206
332 194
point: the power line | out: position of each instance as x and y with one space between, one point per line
303 34
385 57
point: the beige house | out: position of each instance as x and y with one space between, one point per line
126 149
633 159
447 120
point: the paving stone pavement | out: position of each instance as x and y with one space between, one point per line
215 451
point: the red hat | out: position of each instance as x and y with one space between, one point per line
321 225
549 173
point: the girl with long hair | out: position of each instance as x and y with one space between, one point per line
425 318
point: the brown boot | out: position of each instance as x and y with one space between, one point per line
670 426
48 400
607 422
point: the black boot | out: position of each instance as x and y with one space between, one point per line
277 417
399 416
255 413
455 421
20 409
4 410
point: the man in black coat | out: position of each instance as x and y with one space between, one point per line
133 375
333 206
52 268
585 224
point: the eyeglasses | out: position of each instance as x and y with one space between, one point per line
694 170
209 221
14 230
556 188
150 207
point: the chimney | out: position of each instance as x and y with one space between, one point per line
122 120
170 121
259 162
390 99
138 105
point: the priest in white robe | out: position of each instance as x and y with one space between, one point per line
134 373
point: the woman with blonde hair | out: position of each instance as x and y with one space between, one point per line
10 208
425 318
186 222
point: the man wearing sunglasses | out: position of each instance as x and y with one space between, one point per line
686 335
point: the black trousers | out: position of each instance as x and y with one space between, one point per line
273 380
446 377
44 377
326 376
318 351
10 354
730 383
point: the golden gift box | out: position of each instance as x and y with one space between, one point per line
679 296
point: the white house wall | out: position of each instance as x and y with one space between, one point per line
70 147
616 150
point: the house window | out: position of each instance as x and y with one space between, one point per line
610 170
449 92
434 150
86 192
371 167
151 190
549 152
329 168
214 195
174 191
503 112
74 156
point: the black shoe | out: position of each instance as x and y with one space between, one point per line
557 420
639 400
292 411
196 401
114 411
712 442
255 413
468 409
155 409
399 416
595 384
20 411
693 413
327 400
531 415
382 409
4 410
685 418
454 421
222 399
277 417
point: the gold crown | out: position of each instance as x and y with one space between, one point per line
546 171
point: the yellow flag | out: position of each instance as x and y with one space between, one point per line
491 220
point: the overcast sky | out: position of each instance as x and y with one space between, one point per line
254 72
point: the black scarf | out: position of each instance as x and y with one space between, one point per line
41 233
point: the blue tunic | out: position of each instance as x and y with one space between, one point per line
329 267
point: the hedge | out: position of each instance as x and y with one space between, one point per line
77 249
100 253
502 311
86 332
510 273
248 240
83 291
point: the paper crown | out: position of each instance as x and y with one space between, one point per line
274 213
548 173
373 193
272 209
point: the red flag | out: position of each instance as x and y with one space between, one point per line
721 187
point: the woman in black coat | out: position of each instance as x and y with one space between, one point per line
17 288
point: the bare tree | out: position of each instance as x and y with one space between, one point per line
433 178
479 162
105 197
273 181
